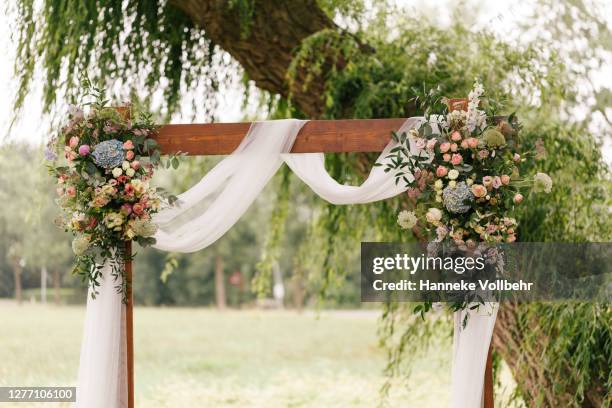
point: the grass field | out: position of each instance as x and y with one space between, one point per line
205 358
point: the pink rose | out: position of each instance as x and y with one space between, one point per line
517 157
479 190
510 231
128 189
138 209
511 238
455 136
441 171
84 150
128 145
444 147
518 197
472 142
414 193
456 159
483 154
454 147
74 142
126 209
129 155
464 144
446 157
496 182
505 179
431 143
135 164
71 191
487 181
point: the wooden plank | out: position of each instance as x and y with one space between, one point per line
350 135
488 380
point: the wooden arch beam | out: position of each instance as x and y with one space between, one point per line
327 136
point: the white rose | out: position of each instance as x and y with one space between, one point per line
438 184
117 171
80 245
542 183
433 215
406 219
125 165
453 174
130 172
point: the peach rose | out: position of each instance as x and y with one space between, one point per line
472 142
455 136
441 171
479 190
444 147
505 179
456 159
518 197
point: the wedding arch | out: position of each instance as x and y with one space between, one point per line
212 206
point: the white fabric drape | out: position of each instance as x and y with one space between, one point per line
102 381
470 350
209 209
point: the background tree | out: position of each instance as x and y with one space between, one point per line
334 59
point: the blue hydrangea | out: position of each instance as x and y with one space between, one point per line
108 154
457 199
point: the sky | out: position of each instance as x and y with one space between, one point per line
33 126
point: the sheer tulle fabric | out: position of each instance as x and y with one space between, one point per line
208 210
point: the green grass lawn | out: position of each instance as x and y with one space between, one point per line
205 358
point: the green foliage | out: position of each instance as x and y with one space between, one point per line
393 82
144 46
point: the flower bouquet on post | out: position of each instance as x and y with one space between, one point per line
103 184
462 168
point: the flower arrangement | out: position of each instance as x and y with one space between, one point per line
462 170
103 184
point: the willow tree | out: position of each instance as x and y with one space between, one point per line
335 59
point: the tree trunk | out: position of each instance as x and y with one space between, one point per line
265 48
526 362
17 276
43 285
220 284
56 287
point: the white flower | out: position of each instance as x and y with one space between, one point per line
130 172
80 245
542 183
144 228
117 171
453 174
406 219
433 215
114 221
125 165
438 184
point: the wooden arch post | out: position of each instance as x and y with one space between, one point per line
316 136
